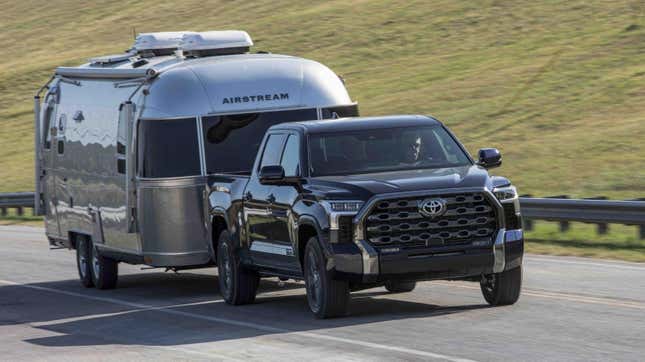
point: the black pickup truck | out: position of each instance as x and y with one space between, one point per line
356 203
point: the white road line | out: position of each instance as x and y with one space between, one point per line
237 323
561 296
587 263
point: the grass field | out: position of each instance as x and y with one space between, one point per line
558 86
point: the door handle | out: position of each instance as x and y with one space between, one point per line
271 198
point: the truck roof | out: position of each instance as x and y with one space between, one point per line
359 123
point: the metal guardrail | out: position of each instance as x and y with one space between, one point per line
560 209
16 200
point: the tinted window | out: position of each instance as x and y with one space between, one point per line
340 112
380 150
232 142
291 157
168 148
272 150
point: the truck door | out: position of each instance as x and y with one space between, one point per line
266 215
258 200
284 197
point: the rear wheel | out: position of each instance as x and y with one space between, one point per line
502 288
237 284
105 271
400 287
326 297
83 261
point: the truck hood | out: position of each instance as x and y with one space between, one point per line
366 185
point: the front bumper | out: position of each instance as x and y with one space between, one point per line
362 263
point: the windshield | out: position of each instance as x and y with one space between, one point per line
381 150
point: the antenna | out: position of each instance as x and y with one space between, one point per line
134 33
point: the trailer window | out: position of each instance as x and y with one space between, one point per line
168 148
232 142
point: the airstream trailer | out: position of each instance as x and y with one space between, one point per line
125 143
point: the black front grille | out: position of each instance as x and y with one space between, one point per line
399 223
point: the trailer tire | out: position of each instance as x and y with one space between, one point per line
83 261
502 288
238 285
105 271
326 296
400 287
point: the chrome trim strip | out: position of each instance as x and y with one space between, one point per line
200 144
499 252
271 248
120 250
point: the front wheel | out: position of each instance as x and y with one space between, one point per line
237 284
502 288
326 297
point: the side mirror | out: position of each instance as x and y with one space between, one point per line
274 175
489 158
271 175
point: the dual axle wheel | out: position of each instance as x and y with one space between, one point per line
94 270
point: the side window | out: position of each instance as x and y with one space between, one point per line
47 121
291 157
60 134
168 148
271 154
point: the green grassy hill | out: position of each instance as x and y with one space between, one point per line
558 86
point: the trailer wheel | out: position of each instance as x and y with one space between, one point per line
502 288
400 287
326 297
105 271
83 261
237 284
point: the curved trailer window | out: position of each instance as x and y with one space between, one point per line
168 148
232 142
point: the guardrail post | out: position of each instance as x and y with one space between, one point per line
527 224
564 225
641 228
19 211
603 228
4 211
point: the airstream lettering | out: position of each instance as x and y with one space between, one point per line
126 144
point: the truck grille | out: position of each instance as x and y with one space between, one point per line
398 222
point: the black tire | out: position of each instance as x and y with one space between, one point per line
237 284
400 287
105 271
327 297
83 261
502 288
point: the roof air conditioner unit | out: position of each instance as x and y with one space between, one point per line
215 43
161 43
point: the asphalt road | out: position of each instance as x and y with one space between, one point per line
570 309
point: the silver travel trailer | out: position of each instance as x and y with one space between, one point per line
125 144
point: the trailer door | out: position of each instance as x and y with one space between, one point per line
48 131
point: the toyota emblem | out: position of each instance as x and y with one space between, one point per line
433 207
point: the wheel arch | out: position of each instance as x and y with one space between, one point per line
308 227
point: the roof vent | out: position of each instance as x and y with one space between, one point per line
161 43
215 43
110 59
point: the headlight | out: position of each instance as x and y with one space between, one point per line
342 206
505 193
